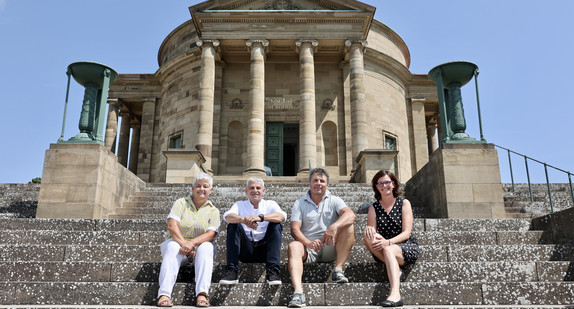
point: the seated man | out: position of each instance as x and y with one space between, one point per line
322 226
254 233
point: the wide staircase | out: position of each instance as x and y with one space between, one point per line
464 263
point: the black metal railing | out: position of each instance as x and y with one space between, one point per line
546 166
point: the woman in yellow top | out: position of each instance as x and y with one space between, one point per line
193 223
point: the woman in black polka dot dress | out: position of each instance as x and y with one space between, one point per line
388 232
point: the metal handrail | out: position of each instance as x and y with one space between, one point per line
546 165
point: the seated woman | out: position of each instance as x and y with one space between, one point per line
388 232
193 223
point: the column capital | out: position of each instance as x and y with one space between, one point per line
114 102
213 42
418 100
263 42
300 43
149 99
350 43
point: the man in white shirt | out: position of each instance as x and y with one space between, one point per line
254 233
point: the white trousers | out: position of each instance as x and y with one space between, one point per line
172 261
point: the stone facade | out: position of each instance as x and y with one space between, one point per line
285 84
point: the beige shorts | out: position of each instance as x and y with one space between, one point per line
326 255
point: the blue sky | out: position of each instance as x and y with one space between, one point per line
524 49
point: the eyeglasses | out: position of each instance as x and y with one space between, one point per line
384 183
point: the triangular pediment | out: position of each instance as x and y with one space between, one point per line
286 19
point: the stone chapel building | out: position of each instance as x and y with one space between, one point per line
283 85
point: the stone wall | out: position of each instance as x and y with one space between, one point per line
83 181
460 181
557 226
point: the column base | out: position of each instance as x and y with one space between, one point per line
254 172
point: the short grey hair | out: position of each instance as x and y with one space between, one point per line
319 170
202 175
255 179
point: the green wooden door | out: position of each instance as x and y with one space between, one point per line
274 147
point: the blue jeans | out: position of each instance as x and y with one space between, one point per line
241 248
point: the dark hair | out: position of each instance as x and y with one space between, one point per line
320 171
394 179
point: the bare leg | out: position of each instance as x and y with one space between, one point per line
297 255
345 241
393 258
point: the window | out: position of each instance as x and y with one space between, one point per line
390 142
175 141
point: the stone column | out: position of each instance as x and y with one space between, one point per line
134 149
359 126
344 65
432 137
419 133
124 143
256 126
307 123
146 139
206 97
112 125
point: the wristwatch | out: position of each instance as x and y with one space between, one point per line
261 217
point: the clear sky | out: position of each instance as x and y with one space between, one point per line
523 48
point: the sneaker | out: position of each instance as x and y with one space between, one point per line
230 277
339 277
273 278
297 300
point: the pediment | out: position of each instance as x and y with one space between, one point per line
284 19
282 5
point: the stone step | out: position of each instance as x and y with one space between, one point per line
359 254
317 294
542 208
535 187
161 212
159 207
518 215
130 237
25 271
478 225
58 306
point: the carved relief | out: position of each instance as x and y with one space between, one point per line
328 104
236 104
281 5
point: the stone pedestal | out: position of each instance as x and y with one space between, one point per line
370 161
460 181
83 181
182 165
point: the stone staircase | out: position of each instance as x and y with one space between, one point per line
18 200
518 204
464 263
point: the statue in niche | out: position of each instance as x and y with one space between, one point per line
236 104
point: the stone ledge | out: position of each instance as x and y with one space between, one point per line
318 294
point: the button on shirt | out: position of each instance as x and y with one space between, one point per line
315 219
245 208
